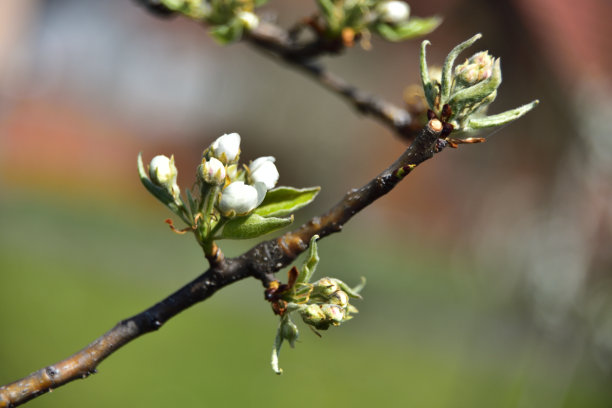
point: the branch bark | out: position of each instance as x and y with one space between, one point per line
261 262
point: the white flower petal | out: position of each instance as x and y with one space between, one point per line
263 170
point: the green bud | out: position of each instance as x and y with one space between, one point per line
289 332
325 287
334 313
339 298
314 316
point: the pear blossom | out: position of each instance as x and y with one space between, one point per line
226 148
248 19
239 199
263 170
394 11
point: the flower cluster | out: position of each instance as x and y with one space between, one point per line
321 304
233 201
461 96
219 168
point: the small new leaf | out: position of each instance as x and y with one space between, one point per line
283 201
311 263
447 69
500 118
253 226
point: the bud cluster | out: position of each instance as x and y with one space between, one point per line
321 304
461 95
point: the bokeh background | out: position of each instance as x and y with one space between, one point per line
489 269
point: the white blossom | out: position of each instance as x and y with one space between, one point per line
394 11
226 148
263 170
248 19
239 199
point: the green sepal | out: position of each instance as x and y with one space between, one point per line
467 100
252 226
447 69
158 192
193 206
228 32
283 201
500 118
413 28
311 263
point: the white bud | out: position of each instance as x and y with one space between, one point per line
394 11
212 171
226 148
163 172
248 19
240 199
263 170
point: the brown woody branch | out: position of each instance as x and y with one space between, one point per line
261 262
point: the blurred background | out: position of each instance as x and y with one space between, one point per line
489 269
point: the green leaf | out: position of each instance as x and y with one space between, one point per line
414 27
428 87
283 201
253 226
447 69
311 264
500 118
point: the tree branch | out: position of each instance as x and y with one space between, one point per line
260 262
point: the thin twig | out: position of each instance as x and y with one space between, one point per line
260 262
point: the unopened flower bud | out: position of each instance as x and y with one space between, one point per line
334 313
248 19
339 298
163 172
212 171
326 286
239 199
226 148
263 170
475 69
393 11
313 315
